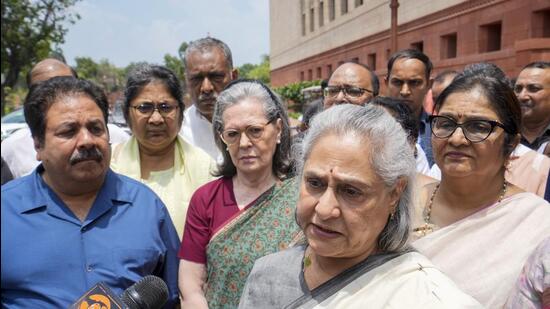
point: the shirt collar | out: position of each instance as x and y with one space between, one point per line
537 142
41 195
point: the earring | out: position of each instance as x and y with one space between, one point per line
391 215
278 141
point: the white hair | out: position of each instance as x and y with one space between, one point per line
390 154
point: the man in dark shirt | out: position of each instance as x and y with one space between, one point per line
408 79
533 91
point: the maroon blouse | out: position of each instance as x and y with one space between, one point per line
211 206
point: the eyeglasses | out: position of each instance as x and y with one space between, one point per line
164 109
350 91
253 132
474 130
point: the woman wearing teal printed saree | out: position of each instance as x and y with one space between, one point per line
249 211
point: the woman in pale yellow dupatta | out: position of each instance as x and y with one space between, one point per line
155 154
478 228
249 211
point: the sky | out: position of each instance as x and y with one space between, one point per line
125 31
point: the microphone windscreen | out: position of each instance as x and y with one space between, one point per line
148 293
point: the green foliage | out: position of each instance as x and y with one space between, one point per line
175 64
29 30
260 71
182 49
292 93
14 98
103 73
244 70
86 67
294 115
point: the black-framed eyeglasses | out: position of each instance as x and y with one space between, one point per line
349 91
475 131
254 133
164 109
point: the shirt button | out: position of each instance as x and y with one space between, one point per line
89 268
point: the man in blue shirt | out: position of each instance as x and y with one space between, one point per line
73 222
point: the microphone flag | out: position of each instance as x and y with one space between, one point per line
98 297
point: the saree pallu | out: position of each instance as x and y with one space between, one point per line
392 281
265 227
485 252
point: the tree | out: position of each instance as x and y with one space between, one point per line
103 73
175 65
256 71
261 72
29 29
86 67
244 70
182 49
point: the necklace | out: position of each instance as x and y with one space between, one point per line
428 226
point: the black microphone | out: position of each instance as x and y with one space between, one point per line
148 293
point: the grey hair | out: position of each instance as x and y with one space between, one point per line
233 94
391 157
207 44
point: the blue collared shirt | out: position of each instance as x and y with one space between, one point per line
50 258
425 137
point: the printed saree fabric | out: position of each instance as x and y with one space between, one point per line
265 227
485 252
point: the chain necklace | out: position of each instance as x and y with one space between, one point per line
428 226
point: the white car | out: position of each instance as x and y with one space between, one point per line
13 122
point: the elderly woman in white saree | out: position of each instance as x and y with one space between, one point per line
355 168
478 228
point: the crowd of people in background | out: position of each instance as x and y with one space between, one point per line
430 193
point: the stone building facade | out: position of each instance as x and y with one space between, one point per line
310 38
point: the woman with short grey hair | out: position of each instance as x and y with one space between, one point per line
355 168
249 211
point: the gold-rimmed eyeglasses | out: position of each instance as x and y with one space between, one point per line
254 133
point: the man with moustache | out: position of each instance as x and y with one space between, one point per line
533 91
73 222
208 69
352 83
408 79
